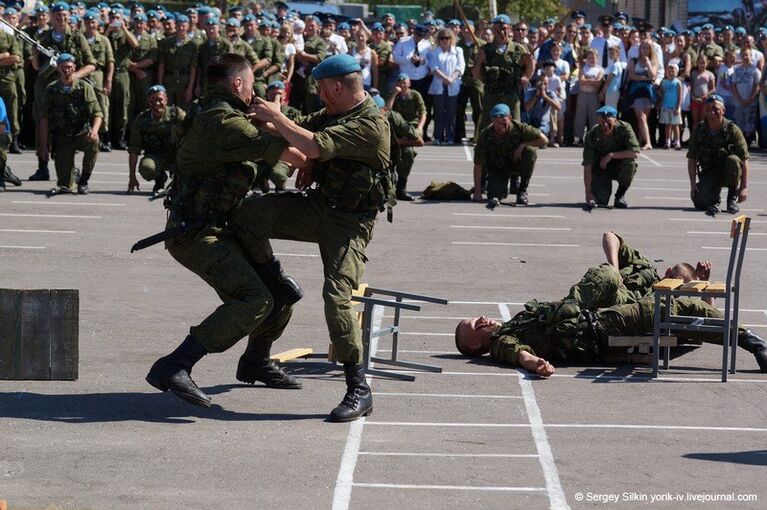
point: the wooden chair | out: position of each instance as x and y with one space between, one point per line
670 288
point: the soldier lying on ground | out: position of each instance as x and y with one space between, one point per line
598 306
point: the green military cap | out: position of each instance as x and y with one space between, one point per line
337 65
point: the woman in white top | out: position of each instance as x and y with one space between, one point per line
642 73
446 64
367 58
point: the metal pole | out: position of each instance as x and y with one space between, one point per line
493 8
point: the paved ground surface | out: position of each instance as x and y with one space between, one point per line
474 436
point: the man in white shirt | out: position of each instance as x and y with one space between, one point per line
602 42
336 43
410 54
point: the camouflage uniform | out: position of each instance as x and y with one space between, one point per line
206 53
179 60
472 90
710 50
146 49
495 153
240 47
384 52
70 112
121 83
263 48
157 139
411 106
304 94
213 175
501 73
719 157
102 53
278 173
338 215
597 145
9 89
405 156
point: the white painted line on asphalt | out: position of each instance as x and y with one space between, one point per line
345 480
467 152
505 313
469 455
518 244
122 174
499 227
707 218
553 485
410 351
648 158
514 216
663 189
413 333
68 216
21 231
56 202
91 181
9 247
564 426
558 160
444 395
750 234
448 487
24 161
296 254
448 424
730 247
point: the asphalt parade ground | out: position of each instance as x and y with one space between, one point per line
476 435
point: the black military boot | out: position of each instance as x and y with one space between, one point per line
42 173
14 148
401 190
620 198
516 180
105 144
732 201
756 345
10 177
121 144
285 290
358 400
522 192
159 186
173 372
256 365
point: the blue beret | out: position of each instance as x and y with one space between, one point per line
549 21
696 30
151 14
216 12
11 10
248 18
402 76
137 6
621 15
276 85
40 9
717 30
311 17
154 89
578 14
60 7
337 65
377 27
585 26
618 26
211 21
389 15
182 18
454 23
233 22
714 97
204 10
500 110
140 17
264 23
502 18
379 101
740 31
235 8
344 26
65 57
102 5
728 27
439 22
280 5
607 111
74 19
169 16
118 6
532 30
191 10
421 30
707 26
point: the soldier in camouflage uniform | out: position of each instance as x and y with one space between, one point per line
123 41
404 138
214 46
408 103
263 48
142 61
505 150
304 93
351 142
214 173
63 39
154 133
383 49
610 150
10 66
70 114
280 172
472 89
272 71
713 52
717 157
239 46
101 78
505 67
177 69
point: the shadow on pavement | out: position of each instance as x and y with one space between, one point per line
752 458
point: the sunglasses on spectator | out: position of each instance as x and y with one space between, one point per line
520 29
445 38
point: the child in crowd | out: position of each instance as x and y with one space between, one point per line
671 106
589 83
703 83
562 70
724 83
556 90
745 89
611 92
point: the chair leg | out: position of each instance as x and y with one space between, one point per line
726 338
656 336
734 334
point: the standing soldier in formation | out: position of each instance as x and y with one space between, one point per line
610 150
214 46
505 67
304 94
239 46
123 42
101 78
472 89
404 137
154 133
10 66
5 141
383 49
263 49
63 39
717 157
177 69
70 114
505 157
142 61
408 103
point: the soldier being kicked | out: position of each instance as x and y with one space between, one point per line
70 114
154 133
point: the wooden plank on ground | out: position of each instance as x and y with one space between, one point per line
668 284
299 352
634 341
738 224
360 291
65 317
10 331
718 288
695 285
36 334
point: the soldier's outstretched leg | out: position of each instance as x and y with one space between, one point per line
756 345
255 363
173 372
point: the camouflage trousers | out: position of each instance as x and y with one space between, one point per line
712 178
600 287
152 167
176 84
405 163
278 174
103 100
498 176
64 149
620 170
342 238
217 258
119 101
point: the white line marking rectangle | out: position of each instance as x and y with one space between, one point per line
467 152
9 247
515 216
445 395
448 487
56 202
469 455
68 216
541 245
730 247
31 231
648 158
500 227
